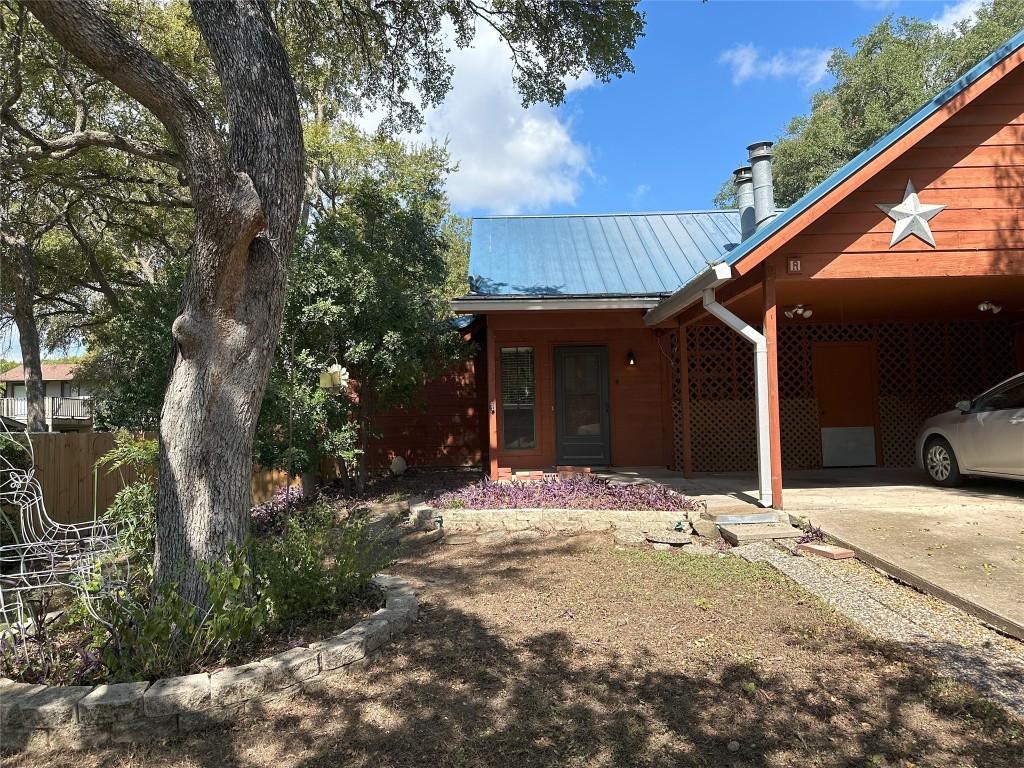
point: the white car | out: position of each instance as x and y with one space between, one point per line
983 436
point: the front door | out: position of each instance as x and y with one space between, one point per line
581 406
844 385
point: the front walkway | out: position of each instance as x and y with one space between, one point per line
965 545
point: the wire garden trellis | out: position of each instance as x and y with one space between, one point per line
46 554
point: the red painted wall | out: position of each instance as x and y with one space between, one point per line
639 401
449 426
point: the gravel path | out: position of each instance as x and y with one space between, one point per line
958 644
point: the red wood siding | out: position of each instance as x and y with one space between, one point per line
974 164
640 430
449 426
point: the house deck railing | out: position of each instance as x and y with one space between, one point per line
74 408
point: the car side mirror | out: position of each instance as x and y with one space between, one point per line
964 406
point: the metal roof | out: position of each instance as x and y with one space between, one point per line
646 254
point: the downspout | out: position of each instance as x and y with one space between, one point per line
764 465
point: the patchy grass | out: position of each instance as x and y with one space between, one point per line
569 652
580 492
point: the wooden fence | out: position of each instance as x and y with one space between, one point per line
74 490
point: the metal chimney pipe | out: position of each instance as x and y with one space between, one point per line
764 190
744 183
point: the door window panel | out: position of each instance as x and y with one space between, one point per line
517 398
582 395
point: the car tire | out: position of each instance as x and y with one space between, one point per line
941 464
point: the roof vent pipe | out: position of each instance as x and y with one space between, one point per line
764 191
744 183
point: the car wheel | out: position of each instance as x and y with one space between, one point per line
940 461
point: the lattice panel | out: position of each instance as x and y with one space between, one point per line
801 442
922 370
724 438
677 435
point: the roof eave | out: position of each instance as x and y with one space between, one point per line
486 304
712 277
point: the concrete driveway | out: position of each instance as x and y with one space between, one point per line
965 545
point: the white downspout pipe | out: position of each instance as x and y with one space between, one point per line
764 465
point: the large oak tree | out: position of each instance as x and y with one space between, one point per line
247 189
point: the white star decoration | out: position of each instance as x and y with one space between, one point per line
911 217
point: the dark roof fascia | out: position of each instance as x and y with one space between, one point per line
492 303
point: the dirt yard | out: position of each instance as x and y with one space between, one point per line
568 651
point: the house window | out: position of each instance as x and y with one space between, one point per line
67 389
517 405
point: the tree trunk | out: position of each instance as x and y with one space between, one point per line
232 302
246 203
20 270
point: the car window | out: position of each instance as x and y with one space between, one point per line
1011 397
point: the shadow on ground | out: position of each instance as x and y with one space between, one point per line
520 658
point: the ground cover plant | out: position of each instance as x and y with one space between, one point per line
580 492
568 651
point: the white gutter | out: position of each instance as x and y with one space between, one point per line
689 293
472 305
764 457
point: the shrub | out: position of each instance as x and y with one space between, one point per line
581 492
316 565
160 635
268 517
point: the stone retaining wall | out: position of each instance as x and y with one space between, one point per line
512 520
39 717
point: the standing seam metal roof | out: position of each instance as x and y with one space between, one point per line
597 255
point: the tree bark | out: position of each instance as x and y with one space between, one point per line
247 202
19 269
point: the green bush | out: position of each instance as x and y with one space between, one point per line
165 635
316 564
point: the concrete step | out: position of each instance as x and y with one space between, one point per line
746 532
741 518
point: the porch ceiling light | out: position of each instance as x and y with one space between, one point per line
988 306
799 311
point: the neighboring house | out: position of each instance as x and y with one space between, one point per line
819 337
68 406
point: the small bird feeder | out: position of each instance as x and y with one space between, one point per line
335 377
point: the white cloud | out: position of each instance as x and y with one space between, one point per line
957 12
878 5
808 65
511 159
639 193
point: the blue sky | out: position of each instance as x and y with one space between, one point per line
710 79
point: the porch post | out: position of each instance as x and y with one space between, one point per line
492 401
774 421
684 401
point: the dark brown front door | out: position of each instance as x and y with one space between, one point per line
581 406
844 385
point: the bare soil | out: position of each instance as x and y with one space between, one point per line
569 651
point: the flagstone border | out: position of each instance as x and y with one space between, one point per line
40 718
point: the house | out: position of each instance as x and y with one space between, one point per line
821 336
68 407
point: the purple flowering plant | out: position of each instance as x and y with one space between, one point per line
580 492
268 517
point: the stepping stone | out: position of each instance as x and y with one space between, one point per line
661 547
491 537
423 537
829 551
741 534
735 518
459 539
525 535
669 537
629 538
